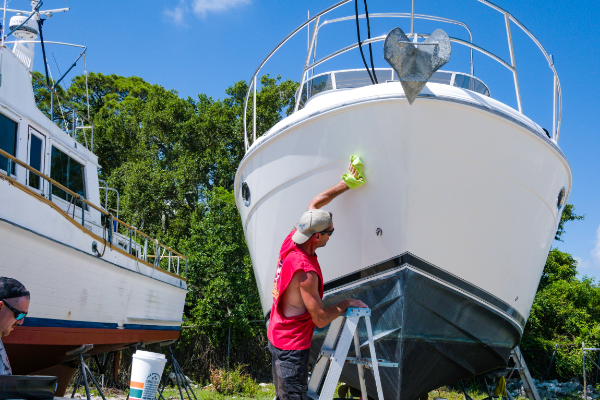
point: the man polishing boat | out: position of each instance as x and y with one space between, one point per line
298 291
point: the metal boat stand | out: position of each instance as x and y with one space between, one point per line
84 371
334 354
521 368
180 378
584 350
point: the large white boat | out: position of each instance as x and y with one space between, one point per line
93 278
447 240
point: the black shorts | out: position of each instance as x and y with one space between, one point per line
290 373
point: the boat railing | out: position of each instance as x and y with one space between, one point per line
152 252
73 121
311 53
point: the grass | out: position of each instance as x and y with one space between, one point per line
263 393
267 392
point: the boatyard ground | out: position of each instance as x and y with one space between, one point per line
267 392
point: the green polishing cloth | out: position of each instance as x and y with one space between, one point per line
350 180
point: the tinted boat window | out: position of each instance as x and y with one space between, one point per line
466 82
35 160
316 85
353 79
441 77
8 142
68 173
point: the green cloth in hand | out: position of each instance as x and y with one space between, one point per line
350 180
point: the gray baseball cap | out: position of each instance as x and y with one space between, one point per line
312 221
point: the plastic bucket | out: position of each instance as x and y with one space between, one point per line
146 373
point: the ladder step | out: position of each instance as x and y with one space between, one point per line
369 364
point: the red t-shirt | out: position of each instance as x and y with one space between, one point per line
292 333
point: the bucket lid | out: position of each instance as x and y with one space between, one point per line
149 354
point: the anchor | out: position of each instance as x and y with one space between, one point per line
415 63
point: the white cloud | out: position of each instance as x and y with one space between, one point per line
177 14
201 8
592 262
581 263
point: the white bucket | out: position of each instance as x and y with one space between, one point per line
146 373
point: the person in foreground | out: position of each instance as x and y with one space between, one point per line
14 305
298 291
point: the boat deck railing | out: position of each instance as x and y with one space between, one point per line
151 252
311 62
355 78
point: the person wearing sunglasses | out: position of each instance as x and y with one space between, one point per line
14 305
298 293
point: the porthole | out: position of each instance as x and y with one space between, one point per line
561 199
246 194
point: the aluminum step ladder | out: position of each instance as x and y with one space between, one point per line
521 366
334 354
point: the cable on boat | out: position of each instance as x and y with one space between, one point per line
40 23
369 37
360 42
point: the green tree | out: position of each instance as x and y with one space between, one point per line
567 215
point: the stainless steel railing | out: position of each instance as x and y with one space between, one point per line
308 66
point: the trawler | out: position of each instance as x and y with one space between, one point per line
93 278
447 240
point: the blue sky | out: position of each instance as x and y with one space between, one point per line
204 46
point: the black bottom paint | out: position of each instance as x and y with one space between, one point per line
436 333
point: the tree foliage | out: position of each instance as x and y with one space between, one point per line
567 215
173 161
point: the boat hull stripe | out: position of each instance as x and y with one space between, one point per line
418 263
31 322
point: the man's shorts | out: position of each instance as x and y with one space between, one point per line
290 373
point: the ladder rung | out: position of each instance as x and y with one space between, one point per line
367 362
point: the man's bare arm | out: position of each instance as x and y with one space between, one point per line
321 316
325 197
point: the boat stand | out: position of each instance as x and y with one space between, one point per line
84 371
521 367
334 354
526 378
180 378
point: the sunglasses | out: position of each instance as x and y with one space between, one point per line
19 315
327 232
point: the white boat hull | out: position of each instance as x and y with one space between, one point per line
77 297
471 190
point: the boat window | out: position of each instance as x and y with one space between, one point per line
316 85
35 159
474 84
360 78
8 142
441 77
68 173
